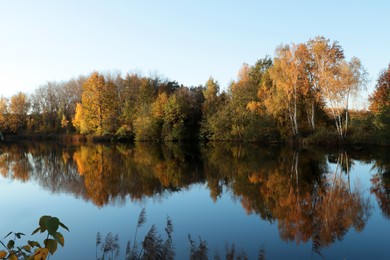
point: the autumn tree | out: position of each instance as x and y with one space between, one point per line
244 121
167 87
53 101
78 121
18 109
287 76
3 114
336 79
46 104
380 105
36 120
380 99
70 94
307 77
99 104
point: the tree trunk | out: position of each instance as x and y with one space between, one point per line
312 116
346 116
295 111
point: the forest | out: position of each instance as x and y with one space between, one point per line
302 94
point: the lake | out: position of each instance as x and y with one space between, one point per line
279 202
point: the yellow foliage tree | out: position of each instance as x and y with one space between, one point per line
78 120
18 108
97 112
3 113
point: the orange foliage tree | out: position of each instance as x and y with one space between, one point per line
380 99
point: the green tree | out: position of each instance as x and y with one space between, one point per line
258 71
239 114
174 116
128 89
182 114
209 107
146 126
136 94
218 124
211 90
243 92
149 126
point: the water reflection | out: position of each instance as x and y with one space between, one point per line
309 200
381 182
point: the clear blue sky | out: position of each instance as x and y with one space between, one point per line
187 41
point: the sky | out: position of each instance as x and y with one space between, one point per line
186 41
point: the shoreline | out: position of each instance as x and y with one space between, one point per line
81 139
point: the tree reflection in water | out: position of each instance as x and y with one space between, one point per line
381 181
293 187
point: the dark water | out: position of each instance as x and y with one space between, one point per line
287 203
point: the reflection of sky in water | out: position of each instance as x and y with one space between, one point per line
192 211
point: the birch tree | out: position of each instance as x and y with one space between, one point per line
285 75
336 79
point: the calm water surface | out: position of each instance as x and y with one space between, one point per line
290 203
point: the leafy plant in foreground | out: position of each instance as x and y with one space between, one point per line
53 238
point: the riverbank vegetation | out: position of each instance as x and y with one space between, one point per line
33 249
303 95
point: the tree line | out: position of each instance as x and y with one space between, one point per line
304 92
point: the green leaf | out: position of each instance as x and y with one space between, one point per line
35 231
63 226
59 238
33 244
3 254
41 253
52 225
19 235
43 221
51 244
27 248
11 244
